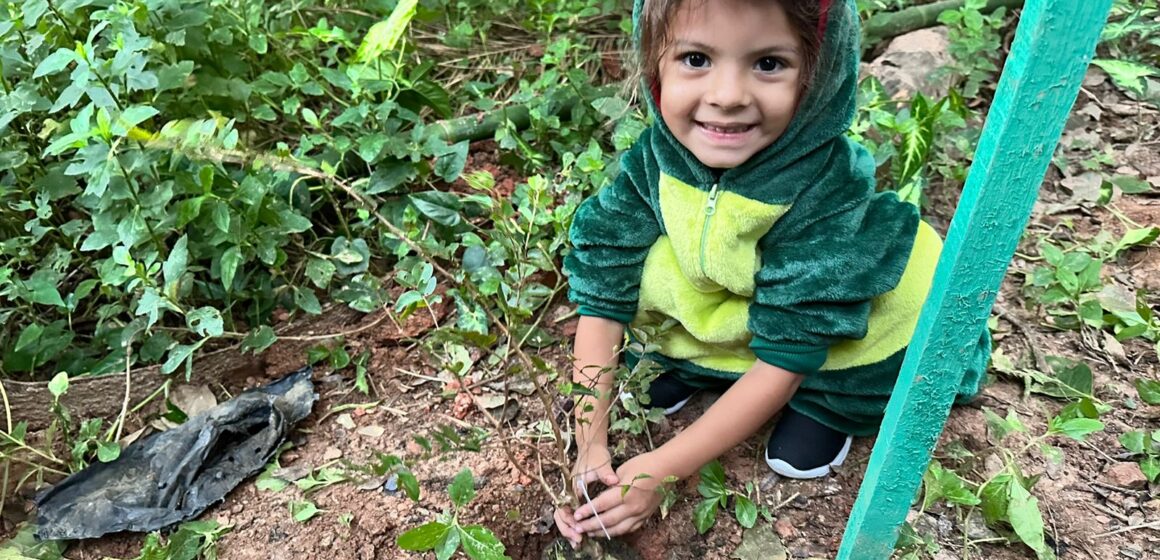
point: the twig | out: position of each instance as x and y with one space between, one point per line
128 385
1110 512
786 501
1150 525
7 406
1031 336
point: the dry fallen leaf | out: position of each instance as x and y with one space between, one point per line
193 399
345 421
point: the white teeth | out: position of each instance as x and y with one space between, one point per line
726 129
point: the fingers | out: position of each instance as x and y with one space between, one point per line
625 526
566 525
603 473
607 500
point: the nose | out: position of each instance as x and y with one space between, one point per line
728 90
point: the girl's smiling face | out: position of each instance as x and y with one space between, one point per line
729 78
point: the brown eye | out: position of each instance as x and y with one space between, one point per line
695 60
769 64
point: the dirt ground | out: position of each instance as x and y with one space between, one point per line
1087 514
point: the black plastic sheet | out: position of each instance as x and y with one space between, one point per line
175 475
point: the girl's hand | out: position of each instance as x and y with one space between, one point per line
593 463
624 514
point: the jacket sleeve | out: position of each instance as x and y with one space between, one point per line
836 251
611 235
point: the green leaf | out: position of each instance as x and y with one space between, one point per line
1137 237
205 321
480 543
44 292
221 215
303 511
1076 428
712 483
440 207
384 35
1000 428
410 484
306 300
446 548
745 511
59 385
705 514
614 107
1130 185
230 260
54 63
1025 517
462 488
424 537
108 451
1076 378
1133 441
1150 466
320 271
258 43
1127 75
260 339
942 483
177 262
132 117
1149 390
177 356
449 165
994 499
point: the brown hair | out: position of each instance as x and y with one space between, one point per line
804 16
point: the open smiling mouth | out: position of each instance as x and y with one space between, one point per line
721 128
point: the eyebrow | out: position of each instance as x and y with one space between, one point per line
772 49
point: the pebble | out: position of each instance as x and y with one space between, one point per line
831 489
1127 475
238 508
800 502
1131 552
326 540
784 528
331 454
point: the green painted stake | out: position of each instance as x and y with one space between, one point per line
1052 50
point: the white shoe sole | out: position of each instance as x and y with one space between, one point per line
785 469
668 411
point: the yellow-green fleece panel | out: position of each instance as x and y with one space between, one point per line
893 315
712 330
729 258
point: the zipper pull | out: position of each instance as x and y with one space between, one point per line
711 208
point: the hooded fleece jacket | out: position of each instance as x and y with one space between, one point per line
790 258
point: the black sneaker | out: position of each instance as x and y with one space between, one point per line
801 447
669 392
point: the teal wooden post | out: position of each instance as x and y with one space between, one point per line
1052 50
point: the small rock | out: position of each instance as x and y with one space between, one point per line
331 454
326 540
1126 475
345 421
373 432
977 528
946 527
784 528
238 508
800 501
1131 552
993 464
413 448
831 489
1144 159
910 62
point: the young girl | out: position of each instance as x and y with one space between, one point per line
745 215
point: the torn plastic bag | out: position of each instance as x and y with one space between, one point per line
175 475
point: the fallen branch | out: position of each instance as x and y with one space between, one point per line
892 24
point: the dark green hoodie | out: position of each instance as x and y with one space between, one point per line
790 258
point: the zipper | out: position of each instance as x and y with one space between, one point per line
710 209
